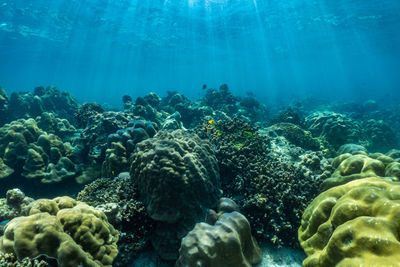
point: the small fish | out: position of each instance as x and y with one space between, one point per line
211 121
4 222
204 86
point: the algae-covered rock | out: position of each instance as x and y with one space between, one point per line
355 224
296 135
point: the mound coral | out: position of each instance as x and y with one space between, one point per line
73 232
226 241
350 167
50 123
177 177
25 147
355 224
337 128
122 143
50 99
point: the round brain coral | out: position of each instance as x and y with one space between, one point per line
355 224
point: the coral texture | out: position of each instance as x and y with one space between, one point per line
227 241
73 232
355 224
361 165
177 177
118 199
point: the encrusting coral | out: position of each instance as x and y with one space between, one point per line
355 224
71 231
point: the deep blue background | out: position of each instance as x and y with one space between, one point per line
278 49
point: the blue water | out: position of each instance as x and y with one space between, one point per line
277 49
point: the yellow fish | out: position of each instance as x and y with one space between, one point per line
211 121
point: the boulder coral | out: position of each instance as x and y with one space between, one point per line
27 149
222 242
359 165
71 231
178 180
121 144
42 99
177 175
355 224
337 128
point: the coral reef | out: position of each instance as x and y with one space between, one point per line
3 106
51 124
71 231
146 108
26 149
50 99
191 113
9 260
295 135
85 112
381 137
337 128
265 180
290 115
354 224
224 241
118 199
12 206
122 143
91 145
177 177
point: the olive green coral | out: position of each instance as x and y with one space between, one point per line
28 150
361 165
355 224
71 231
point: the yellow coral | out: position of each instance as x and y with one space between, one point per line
355 224
351 167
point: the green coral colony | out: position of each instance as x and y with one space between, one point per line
210 183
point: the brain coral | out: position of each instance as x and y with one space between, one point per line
355 224
71 231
